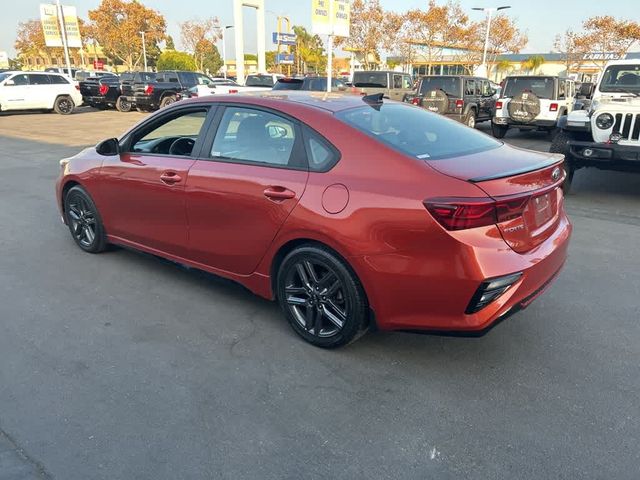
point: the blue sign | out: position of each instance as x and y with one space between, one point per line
284 59
285 38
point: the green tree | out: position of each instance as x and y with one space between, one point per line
15 64
170 44
175 60
308 52
250 56
208 57
270 58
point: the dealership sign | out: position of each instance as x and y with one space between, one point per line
330 17
284 59
284 38
51 26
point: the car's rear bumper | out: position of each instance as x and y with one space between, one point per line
534 123
96 100
423 294
612 156
143 101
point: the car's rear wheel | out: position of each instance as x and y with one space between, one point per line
123 105
499 131
84 220
168 100
64 105
322 298
470 119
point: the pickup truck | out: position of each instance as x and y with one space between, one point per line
128 80
100 92
166 88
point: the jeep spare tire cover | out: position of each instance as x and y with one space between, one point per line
524 107
436 101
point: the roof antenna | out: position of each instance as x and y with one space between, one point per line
373 99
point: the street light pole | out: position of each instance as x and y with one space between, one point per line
144 50
63 32
224 51
489 12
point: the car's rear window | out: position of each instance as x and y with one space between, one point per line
417 132
259 81
370 79
449 85
542 87
288 84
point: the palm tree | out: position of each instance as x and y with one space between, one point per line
503 66
533 63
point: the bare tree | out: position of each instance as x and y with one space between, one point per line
196 33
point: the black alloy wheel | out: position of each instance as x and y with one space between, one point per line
322 299
84 221
64 105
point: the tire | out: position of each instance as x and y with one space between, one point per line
499 131
123 105
64 105
321 297
168 100
471 119
84 221
559 145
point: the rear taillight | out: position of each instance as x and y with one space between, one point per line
77 87
148 89
498 105
103 89
464 213
459 103
415 101
553 107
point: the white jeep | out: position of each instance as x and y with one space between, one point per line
532 102
607 134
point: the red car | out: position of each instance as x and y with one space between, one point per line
353 212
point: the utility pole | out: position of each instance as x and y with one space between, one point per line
489 12
144 50
224 51
330 47
63 32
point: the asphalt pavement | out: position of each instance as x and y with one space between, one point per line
124 366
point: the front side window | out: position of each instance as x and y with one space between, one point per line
406 82
21 79
561 90
416 132
249 135
175 135
202 79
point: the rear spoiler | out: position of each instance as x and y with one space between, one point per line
556 158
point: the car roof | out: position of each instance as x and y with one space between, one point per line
13 72
286 99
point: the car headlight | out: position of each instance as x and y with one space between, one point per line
604 121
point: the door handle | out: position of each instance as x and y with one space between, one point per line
170 177
278 193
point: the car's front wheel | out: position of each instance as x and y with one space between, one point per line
84 221
322 298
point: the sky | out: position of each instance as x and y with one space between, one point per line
541 19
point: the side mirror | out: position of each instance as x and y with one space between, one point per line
9 83
109 147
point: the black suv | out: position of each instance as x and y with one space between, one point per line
464 98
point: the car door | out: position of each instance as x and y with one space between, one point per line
16 93
41 93
239 197
142 188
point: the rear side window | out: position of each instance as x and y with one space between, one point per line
39 79
58 80
416 132
188 78
321 155
469 87
370 79
397 81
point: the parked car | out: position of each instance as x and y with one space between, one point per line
451 231
128 80
262 80
101 92
166 88
82 75
393 85
606 134
38 91
466 99
532 102
62 71
313 84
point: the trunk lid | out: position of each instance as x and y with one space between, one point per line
90 87
525 184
